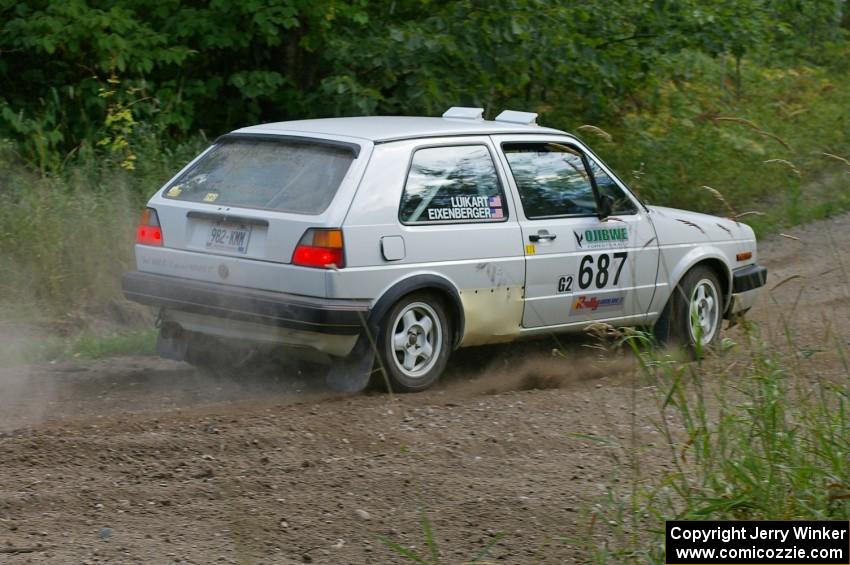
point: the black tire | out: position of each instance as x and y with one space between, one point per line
401 338
678 327
213 358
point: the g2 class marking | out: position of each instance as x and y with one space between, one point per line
565 284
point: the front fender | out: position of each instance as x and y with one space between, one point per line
673 267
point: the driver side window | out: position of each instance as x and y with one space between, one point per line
551 179
621 203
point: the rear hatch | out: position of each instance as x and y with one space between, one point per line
249 199
253 196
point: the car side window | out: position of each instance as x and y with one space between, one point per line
551 179
606 185
452 184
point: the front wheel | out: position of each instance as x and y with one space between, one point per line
414 342
694 313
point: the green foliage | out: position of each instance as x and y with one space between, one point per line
225 64
65 239
763 151
119 125
766 441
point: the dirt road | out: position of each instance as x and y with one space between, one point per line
137 460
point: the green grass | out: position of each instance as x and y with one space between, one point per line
433 555
65 238
86 345
768 440
141 342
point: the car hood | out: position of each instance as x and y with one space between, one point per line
674 226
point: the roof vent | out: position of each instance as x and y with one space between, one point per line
514 117
464 113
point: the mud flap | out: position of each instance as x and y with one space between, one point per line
350 375
661 327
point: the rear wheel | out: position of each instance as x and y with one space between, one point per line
414 342
214 358
694 313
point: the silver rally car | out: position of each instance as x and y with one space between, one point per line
413 236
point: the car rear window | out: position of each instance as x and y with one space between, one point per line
286 175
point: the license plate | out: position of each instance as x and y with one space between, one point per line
229 236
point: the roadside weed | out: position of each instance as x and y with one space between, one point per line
432 557
765 437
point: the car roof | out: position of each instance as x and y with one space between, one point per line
380 129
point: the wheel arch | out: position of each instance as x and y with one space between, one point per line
714 260
416 283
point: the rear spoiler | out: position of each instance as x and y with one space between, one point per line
352 147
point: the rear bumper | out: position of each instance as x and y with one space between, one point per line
319 315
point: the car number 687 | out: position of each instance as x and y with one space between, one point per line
587 276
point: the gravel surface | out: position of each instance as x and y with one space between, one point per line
140 460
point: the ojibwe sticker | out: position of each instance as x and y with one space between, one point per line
602 238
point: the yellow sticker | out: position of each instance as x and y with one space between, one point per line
175 190
211 197
530 249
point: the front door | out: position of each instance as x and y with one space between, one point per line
579 268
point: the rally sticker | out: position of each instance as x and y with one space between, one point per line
592 303
469 208
211 197
599 238
175 190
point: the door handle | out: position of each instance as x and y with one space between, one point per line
542 235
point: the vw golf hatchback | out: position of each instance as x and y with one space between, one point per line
410 237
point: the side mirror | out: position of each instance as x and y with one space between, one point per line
606 206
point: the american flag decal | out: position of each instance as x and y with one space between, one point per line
496 202
496 213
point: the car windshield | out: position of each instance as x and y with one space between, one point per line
286 175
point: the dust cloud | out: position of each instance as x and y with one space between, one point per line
85 390
530 366
25 399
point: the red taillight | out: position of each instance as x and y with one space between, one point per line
320 248
149 232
